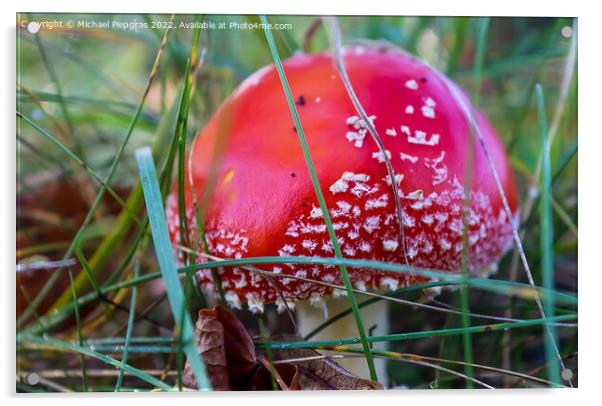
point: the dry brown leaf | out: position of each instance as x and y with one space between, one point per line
322 373
232 363
229 355
240 350
209 340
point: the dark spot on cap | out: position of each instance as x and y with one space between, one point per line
293 174
294 129
300 101
423 80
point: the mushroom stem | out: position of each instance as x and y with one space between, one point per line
376 322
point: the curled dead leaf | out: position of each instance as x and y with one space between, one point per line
233 364
229 355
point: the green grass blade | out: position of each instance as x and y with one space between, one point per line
264 335
525 291
165 256
506 207
82 360
521 290
483 27
103 104
320 196
137 349
181 136
285 44
78 160
132 340
59 92
477 70
128 333
418 334
164 133
461 25
568 155
547 240
56 344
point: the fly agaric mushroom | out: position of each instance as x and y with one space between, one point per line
263 202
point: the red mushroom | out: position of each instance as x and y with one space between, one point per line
263 203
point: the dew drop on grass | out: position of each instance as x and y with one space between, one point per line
340 342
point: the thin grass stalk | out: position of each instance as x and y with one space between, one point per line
486 328
134 202
80 338
78 160
567 76
525 291
547 239
59 92
405 356
264 336
180 139
340 64
483 28
517 239
320 197
65 346
517 289
80 279
368 302
130 327
470 380
377 296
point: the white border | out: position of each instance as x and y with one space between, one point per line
590 197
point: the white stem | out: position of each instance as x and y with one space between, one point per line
377 314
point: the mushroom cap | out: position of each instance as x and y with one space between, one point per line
263 202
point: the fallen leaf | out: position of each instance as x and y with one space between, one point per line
240 350
209 340
229 355
233 364
321 373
